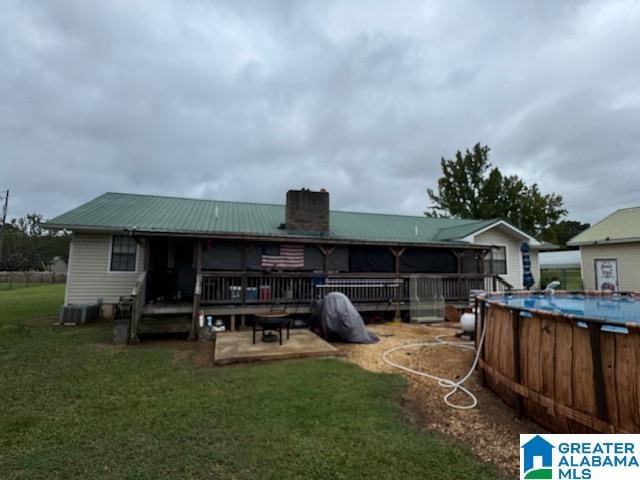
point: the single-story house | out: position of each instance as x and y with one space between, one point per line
181 256
610 252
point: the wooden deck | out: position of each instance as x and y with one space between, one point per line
236 295
237 347
252 309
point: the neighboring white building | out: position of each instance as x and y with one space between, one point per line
561 260
610 252
57 265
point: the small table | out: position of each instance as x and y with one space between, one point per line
271 322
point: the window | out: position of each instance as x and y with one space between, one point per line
496 261
123 254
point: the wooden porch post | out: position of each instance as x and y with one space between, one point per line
140 292
197 291
144 244
244 246
397 253
459 255
327 257
483 254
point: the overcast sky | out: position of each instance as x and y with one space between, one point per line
242 100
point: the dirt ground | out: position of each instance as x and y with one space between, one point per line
491 429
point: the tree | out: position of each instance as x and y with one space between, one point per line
563 231
28 246
471 187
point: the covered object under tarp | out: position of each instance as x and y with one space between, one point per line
339 318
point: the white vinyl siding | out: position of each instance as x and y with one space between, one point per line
89 277
499 235
628 260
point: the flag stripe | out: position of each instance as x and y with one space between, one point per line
291 256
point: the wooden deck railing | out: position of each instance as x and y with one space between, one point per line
263 288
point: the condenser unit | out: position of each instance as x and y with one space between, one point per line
79 313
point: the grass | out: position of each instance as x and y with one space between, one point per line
75 407
12 285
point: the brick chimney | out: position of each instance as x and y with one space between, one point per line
307 211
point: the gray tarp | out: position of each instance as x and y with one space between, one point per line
339 317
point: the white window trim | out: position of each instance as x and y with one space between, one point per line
120 272
506 260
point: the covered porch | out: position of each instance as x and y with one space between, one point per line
185 277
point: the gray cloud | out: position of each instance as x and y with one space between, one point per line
243 100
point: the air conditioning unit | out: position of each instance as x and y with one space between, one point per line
79 313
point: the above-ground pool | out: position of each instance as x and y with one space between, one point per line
614 308
571 362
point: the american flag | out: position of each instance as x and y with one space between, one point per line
291 256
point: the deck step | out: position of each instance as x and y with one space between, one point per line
164 324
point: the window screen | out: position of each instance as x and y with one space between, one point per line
123 254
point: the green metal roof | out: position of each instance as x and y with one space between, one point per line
464 230
621 226
148 213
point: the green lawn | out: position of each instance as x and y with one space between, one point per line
11 285
74 407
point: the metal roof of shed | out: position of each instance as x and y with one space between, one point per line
149 213
621 226
562 259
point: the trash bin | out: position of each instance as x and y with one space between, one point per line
265 292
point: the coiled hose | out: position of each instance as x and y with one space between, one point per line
444 382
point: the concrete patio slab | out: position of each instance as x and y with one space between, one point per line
235 347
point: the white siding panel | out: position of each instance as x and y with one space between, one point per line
88 277
628 256
502 237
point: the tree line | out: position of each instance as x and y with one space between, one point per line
29 246
472 188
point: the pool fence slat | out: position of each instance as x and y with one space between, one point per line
515 339
608 350
598 376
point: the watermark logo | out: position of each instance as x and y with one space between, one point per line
580 457
537 459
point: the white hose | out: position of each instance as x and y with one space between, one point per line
444 382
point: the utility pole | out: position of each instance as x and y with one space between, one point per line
4 220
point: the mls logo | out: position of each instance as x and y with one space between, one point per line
536 459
